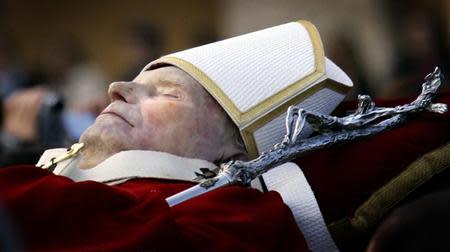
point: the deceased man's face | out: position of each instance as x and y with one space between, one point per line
163 109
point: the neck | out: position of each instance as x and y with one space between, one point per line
92 155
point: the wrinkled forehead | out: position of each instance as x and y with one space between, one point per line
167 75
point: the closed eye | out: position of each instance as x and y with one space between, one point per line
170 91
172 95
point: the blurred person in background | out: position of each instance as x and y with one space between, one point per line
143 42
16 111
68 93
345 54
12 73
419 49
67 70
420 225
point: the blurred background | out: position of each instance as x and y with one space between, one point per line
58 57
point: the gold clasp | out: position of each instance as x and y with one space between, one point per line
72 151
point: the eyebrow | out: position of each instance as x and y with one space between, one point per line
169 83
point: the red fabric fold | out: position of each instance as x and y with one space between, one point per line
52 213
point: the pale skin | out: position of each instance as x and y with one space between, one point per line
165 110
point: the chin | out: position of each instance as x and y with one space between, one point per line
83 136
102 135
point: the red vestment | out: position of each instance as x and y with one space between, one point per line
53 213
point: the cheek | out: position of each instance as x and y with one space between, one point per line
167 122
209 126
156 115
164 114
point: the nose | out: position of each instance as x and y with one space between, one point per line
123 90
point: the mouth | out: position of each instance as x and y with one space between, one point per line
116 115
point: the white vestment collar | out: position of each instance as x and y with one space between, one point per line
126 165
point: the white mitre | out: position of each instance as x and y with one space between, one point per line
255 77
